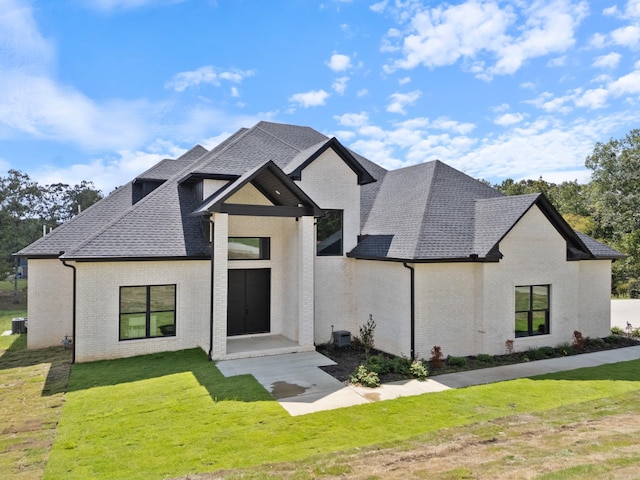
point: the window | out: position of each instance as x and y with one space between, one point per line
249 248
532 310
329 233
147 311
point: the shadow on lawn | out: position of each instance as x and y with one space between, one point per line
59 360
243 388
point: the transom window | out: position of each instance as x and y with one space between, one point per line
147 311
532 310
329 233
249 248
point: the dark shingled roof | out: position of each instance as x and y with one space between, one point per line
427 212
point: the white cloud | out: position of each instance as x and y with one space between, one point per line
488 30
207 75
608 61
400 100
628 36
339 85
508 119
404 80
339 62
362 93
352 119
112 5
314 98
379 7
593 99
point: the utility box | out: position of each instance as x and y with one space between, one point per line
342 338
18 325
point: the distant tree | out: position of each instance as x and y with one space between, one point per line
569 198
25 207
615 199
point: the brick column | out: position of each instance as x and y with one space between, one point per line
306 293
220 280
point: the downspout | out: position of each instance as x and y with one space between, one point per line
213 226
413 308
73 316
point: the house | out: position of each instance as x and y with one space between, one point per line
280 236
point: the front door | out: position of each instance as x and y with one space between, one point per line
249 301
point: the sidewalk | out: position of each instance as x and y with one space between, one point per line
297 383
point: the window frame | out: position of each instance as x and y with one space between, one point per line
325 212
531 311
264 247
147 312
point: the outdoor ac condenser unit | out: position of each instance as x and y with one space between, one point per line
342 338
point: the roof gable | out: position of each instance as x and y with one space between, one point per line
286 197
306 157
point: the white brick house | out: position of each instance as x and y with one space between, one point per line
279 236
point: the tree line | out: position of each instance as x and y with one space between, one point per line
28 209
607 208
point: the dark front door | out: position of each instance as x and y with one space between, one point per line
249 301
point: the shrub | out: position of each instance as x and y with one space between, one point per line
635 333
565 349
508 345
401 366
578 341
614 339
536 354
484 358
617 331
456 361
378 364
366 334
364 377
436 357
548 352
418 370
596 342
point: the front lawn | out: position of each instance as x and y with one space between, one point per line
171 414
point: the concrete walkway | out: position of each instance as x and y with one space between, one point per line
301 387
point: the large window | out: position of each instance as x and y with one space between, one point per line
329 233
249 248
147 311
532 310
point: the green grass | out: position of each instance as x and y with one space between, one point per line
173 414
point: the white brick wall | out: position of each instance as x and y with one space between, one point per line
384 292
469 308
331 184
50 303
98 290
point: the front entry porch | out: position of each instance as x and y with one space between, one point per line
247 346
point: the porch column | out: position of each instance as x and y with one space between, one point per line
306 293
220 280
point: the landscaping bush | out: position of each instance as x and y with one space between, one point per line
485 358
366 334
418 370
456 361
536 354
436 357
401 366
578 341
565 349
365 378
617 331
595 342
378 364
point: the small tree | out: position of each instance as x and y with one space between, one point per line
366 334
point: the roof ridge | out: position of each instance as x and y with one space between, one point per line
426 203
257 126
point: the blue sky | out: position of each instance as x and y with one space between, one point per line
102 89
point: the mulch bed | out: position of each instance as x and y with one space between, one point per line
348 358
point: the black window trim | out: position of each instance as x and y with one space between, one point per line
148 312
325 211
531 310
